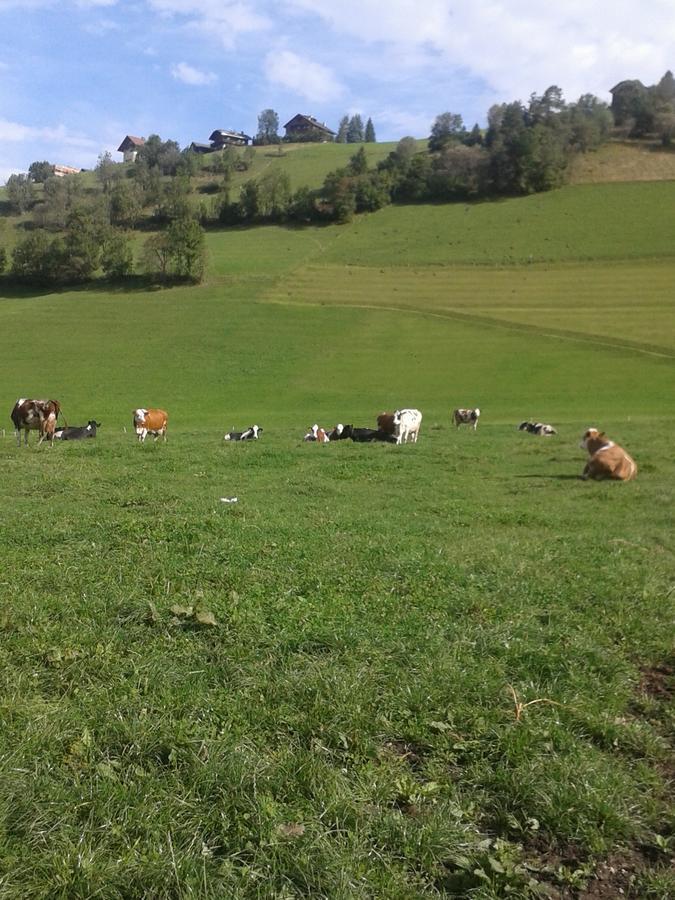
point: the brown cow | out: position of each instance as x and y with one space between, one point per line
385 423
35 415
150 421
608 460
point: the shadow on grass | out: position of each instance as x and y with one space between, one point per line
554 477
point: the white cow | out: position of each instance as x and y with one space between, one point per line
407 424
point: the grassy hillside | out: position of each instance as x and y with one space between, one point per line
436 670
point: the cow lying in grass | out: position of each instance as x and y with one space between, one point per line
251 434
537 428
315 433
607 459
75 433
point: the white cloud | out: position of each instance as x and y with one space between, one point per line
516 46
189 75
224 20
310 80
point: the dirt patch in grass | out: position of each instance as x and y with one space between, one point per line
658 681
570 876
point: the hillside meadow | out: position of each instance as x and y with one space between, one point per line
421 671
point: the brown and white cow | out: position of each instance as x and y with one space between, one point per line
318 434
607 459
35 415
150 421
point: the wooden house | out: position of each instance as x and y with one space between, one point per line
130 147
307 128
221 139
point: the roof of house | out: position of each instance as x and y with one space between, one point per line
129 142
224 132
308 121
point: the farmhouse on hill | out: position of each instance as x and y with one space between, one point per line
220 138
307 128
61 171
130 147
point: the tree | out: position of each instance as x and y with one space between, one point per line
358 163
355 130
268 127
590 122
447 128
248 201
370 132
163 155
19 192
175 202
117 258
39 172
105 170
3 260
125 203
180 251
82 247
156 255
474 137
31 258
341 137
274 194
187 249
460 173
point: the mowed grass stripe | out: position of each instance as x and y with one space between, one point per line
629 304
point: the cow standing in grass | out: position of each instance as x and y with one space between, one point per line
35 415
150 421
466 417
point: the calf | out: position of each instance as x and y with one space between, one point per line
251 434
316 434
150 421
537 428
35 415
407 424
466 417
607 459
340 432
77 434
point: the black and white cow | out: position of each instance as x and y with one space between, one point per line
537 428
74 433
466 417
340 432
251 434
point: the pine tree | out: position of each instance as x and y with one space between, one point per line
342 130
355 130
370 132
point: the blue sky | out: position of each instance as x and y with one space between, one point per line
76 76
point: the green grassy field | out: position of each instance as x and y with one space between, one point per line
435 670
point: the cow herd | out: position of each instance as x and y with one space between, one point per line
606 459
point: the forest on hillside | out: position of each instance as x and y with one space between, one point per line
71 231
